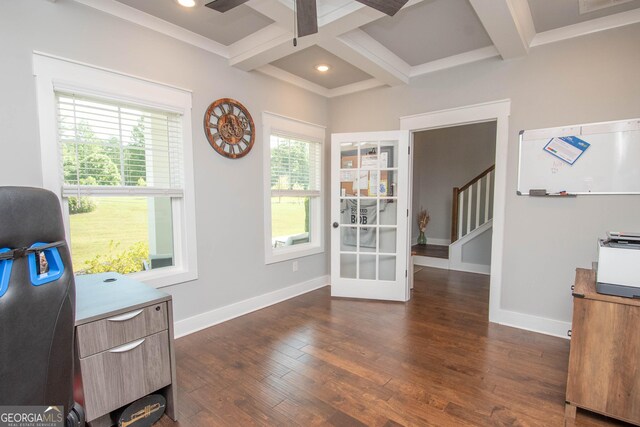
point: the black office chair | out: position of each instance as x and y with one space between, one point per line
37 303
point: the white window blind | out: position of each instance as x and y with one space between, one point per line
109 147
295 166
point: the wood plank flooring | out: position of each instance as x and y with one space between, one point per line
318 361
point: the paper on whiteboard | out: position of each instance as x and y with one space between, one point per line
567 148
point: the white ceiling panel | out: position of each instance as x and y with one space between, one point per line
431 30
224 28
303 63
552 14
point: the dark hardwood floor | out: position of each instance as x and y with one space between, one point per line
435 251
317 361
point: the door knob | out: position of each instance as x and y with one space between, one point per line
336 225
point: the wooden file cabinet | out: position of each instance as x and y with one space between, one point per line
604 360
124 345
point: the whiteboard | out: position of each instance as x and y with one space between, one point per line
610 165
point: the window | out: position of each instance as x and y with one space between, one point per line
293 188
122 168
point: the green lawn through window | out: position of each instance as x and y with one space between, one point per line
121 219
125 220
288 216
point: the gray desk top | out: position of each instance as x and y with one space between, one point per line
98 296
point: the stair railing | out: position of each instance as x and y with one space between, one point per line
469 199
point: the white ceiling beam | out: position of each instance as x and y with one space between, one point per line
509 24
287 77
351 16
364 52
354 87
454 61
264 46
588 27
275 41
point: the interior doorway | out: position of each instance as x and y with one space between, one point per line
453 191
500 112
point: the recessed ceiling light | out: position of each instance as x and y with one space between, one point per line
323 68
187 3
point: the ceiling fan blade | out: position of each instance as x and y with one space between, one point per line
224 5
390 7
307 16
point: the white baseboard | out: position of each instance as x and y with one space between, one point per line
532 323
432 241
441 242
470 268
427 261
222 314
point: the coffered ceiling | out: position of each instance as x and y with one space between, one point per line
366 48
225 28
431 30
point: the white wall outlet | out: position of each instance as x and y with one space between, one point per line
295 265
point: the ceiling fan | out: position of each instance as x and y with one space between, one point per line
307 14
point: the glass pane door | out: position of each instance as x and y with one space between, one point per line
368 193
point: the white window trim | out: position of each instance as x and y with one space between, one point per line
274 122
58 74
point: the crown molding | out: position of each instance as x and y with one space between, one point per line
287 77
143 19
290 78
454 61
588 27
355 87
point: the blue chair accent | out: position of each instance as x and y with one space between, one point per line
56 267
5 272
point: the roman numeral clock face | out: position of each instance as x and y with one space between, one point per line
229 128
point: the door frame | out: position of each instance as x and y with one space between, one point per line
499 111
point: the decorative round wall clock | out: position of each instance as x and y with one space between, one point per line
229 128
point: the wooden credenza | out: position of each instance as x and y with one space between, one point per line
124 345
604 360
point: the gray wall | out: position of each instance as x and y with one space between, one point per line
478 250
586 79
443 159
229 193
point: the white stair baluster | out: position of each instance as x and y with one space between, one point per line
486 203
479 191
469 206
460 212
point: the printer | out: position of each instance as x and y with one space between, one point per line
619 265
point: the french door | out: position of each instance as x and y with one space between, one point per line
369 212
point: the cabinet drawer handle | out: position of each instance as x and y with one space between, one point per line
126 316
569 332
127 347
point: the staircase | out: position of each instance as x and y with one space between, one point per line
472 204
471 229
